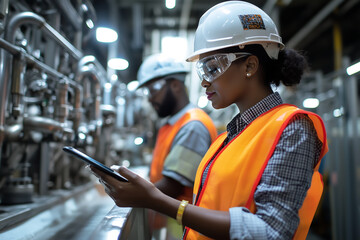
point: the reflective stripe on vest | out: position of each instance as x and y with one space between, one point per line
165 139
248 154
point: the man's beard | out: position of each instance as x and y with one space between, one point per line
166 108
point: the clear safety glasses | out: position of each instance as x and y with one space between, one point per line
211 67
154 87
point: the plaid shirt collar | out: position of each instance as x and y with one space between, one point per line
241 120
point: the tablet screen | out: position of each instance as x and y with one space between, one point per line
93 162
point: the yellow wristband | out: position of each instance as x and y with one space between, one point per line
180 211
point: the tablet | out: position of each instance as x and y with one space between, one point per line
94 163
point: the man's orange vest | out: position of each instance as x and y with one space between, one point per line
245 158
165 139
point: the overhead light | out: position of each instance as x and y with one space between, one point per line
89 23
84 7
353 69
311 103
106 35
118 64
170 4
138 141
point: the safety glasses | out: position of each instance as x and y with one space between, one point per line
155 87
211 67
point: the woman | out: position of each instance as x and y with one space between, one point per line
260 179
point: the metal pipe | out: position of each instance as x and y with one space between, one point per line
13 132
302 33
42 124
338 46
15 22
90 72
17 85
11 48
31 18
4 8
61 108
70 12
185 15
88 60
31 61
77 107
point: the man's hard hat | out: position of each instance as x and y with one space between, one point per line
158 66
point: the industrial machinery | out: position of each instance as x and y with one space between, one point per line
53 94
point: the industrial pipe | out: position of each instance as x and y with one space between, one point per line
14 23
91 60
70 12
61 103
31 18
42 124
12 132
90 72
17 85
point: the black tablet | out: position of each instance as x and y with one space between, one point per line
94 163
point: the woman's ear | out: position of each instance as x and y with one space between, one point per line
252 64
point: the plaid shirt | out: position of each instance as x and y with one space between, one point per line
285 181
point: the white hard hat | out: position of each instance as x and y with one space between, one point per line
235 23
159 65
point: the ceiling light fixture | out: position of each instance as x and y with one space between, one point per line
353 69
311 103
170 4
106 35
118 63
89 23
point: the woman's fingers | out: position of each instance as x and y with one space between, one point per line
99 174
94 171
134 193
129 175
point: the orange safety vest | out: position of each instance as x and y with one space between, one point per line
248 154
165 139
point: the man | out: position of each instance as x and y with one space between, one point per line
183 140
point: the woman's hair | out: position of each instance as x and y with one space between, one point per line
288 68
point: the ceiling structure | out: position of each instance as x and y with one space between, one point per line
324 30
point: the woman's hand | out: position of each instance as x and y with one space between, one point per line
137 192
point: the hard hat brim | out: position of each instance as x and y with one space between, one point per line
158 77
195 56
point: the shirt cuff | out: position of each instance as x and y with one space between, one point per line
246 225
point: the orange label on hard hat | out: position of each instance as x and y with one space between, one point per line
252 21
